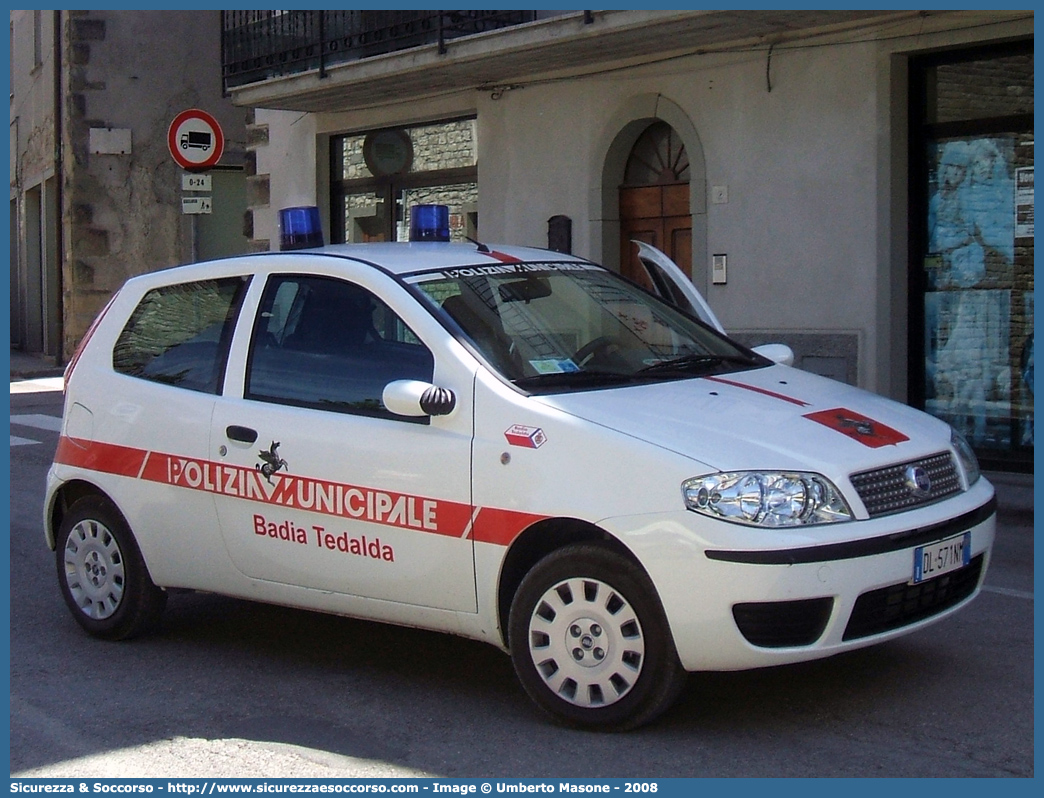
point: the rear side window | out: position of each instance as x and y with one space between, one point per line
179 334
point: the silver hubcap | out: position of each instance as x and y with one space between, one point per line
94 569
586 642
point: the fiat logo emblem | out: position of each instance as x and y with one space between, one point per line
918 481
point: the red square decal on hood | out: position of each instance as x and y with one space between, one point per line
858 427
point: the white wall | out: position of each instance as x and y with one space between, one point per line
291 159
799 162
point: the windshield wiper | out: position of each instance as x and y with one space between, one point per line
687 363
585 377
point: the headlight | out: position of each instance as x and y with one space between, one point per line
766 498
969 462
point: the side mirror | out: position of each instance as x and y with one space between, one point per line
414 399
777 353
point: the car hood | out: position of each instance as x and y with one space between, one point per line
775 417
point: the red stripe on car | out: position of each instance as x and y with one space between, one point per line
754 388
503 257
501 526
334 499
108 458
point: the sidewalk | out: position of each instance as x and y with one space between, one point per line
25 367
1014 491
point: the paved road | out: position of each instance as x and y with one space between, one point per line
234 689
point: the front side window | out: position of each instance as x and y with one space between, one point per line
328 344
562 326
179 334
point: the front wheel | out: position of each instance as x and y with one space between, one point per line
101 573
590 642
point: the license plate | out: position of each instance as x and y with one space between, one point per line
942 557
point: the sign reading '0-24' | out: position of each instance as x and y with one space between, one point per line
195 139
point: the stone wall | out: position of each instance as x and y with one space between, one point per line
128 74
448 145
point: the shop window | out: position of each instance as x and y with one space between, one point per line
379 175
972 298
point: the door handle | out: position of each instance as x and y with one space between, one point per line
240 434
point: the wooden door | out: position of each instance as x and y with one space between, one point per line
657 215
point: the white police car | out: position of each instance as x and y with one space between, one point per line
508 444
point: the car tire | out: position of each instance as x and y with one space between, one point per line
101 572
590 642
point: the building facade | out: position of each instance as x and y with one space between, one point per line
96 196
858 185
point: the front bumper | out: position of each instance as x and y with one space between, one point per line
738 598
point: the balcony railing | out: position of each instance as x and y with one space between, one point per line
257 45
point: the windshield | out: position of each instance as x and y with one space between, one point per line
569 326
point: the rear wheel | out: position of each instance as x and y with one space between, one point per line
101 573
590 642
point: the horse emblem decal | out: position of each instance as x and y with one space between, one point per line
861 426
858 427
272 461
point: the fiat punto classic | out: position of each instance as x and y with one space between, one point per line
509 444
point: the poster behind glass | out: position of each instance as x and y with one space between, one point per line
978 301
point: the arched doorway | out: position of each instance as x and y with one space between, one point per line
654 199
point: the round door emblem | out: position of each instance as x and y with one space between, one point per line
918 481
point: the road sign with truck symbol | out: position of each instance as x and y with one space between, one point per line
195 140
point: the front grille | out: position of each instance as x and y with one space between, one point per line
782 624
900 605
886 490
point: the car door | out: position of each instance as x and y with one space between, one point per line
671 285
324 488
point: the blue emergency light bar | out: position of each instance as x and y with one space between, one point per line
429 223
300 228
